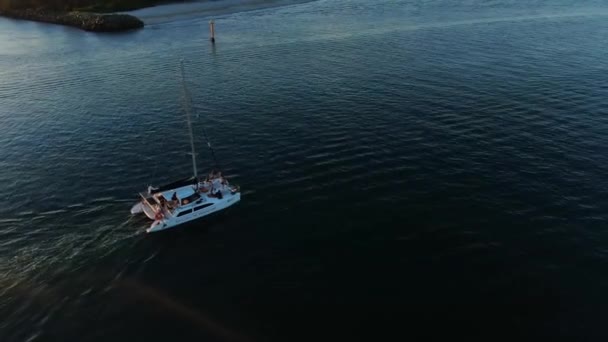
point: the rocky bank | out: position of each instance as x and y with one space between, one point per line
96 22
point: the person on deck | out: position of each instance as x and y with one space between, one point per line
218 194
217 184
211 176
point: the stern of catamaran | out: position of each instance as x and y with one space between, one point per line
137 208
150 213
156 226
148 206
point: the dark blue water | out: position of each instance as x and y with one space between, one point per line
411 169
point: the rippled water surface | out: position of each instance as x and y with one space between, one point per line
413 169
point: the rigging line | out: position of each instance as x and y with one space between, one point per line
188 106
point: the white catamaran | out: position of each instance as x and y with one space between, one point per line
188 199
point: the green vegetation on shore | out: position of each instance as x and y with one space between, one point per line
80 5
85 14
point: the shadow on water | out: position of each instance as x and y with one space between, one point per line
59 315
122 293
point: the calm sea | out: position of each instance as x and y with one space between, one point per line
411 170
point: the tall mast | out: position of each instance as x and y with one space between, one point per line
187 108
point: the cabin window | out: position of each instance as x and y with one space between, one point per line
184 213
203 206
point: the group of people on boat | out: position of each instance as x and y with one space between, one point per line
213 184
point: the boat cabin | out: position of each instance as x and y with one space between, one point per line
181 196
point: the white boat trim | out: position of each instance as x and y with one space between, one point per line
193 211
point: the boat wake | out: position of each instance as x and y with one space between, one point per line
172 12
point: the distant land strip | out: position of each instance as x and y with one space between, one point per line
89 15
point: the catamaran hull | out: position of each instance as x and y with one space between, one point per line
138 208
173 222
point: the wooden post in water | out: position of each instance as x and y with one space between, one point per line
212 29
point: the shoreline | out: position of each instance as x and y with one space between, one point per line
93 22
165 11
